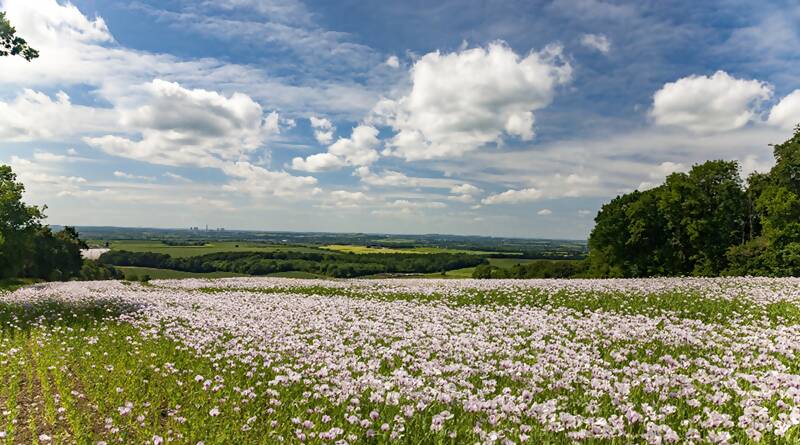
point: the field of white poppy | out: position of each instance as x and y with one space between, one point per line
245 360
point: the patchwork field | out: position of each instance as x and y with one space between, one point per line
276 360
211 247
348 248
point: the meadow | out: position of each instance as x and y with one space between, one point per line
179 251
133 273
276 360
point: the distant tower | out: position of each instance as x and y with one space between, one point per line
206 227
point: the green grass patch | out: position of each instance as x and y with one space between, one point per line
166 274
298 274
10 284
505 263
509 262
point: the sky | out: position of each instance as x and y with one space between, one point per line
500 118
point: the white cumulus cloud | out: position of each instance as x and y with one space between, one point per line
258 181
180 126
463 100
709 104
323 129
464 193
786 114
597 42
393 62
357 150
319 162
513 196
33 115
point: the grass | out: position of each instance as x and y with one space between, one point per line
165 274
467 271
509 262
349 248
9 284
216 247
298 274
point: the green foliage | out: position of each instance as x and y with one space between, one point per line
777 205
705 223
11 44
705 213
748 258
483 271
535 269
18 225
339 265
95 270
28 248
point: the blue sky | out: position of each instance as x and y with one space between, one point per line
505 118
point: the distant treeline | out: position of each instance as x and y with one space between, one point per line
339 265
188 243
539 255
705 223
535 269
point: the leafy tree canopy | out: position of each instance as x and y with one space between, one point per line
11 44
706 222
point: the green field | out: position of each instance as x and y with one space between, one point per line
298 274
350 248
232 246
467 271
455 273
508 262
9 284
166 274
169 274
215 247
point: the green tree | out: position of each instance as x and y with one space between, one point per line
608 251
684 226
629 238
11 44
28 248
706 212
786 172
777 204
18 224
